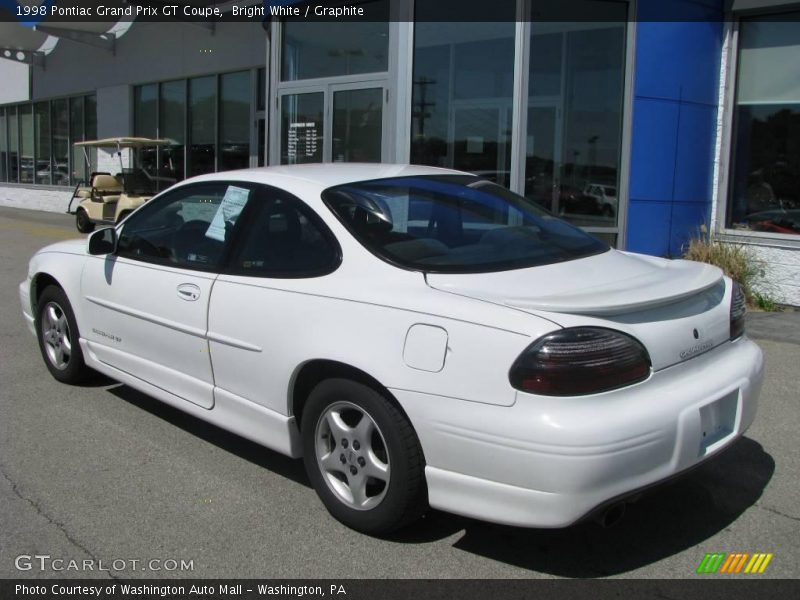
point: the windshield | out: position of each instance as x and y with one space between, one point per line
455 224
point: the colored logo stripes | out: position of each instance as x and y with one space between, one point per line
735 562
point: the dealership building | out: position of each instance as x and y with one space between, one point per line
647 123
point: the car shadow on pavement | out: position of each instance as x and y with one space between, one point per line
666 520
230 442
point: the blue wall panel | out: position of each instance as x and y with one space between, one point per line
674 123
694 159
649 227
687 217
653 148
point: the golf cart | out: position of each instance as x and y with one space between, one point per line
107 198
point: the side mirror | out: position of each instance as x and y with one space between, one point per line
103 241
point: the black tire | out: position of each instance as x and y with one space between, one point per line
403 498
123 215
52 331
82 221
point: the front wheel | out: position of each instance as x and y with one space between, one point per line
363 457
57 333
82 221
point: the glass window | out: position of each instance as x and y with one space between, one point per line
77 131
462 99
765 171
13 145
202 125
3 146
60 123
186 228
301 127
43 148
262 89
234 126
312 49
286 239
455 224
90 104
575 101
172 126
358 125
26 139
145 124
145 110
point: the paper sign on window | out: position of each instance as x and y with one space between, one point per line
229 210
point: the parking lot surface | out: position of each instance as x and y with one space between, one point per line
104 473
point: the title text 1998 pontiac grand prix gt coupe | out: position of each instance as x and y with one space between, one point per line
420 336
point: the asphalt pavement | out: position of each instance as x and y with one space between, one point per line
102 473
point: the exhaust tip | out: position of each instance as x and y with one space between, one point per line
612 515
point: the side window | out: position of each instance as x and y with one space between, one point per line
285 239
189 227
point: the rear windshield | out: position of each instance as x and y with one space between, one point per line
455 224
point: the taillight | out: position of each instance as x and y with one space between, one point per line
578 361
738 310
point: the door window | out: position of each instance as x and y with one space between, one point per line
188 228
285 239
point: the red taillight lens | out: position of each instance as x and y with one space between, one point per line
578 361
738 310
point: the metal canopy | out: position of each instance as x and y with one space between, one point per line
123 142
739 5
21 44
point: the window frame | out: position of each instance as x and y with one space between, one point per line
727 123
165 197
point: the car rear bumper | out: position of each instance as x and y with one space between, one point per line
548 462
25 301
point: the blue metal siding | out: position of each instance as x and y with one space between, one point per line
674 124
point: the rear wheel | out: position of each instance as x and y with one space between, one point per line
57 333
82 221
123 215
363 457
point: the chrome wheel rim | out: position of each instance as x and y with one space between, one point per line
352 455
56 336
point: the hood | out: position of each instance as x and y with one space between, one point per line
74 246
608 284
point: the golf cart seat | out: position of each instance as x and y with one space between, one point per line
106 188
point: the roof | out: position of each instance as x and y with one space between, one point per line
123 142
329 174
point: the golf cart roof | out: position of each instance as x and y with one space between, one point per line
123 142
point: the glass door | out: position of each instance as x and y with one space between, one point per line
333 123
358 123
302 127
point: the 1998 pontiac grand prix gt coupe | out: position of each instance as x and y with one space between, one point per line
420 336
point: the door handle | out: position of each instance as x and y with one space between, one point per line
188 291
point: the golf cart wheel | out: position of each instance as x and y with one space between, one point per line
82 221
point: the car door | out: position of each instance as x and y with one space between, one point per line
266 301
147 304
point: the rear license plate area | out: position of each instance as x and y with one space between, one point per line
718 421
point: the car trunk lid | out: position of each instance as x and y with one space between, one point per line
674 307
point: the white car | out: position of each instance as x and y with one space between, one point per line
420 336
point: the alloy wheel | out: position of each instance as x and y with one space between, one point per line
56 335
352 455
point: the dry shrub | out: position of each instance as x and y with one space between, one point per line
736 261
